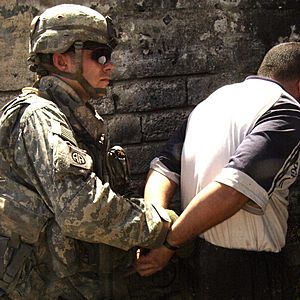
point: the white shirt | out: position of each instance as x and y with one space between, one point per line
246 137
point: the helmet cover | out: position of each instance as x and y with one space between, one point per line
58 27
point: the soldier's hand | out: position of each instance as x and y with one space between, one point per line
154 261
172 214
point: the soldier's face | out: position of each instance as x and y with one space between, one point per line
95 71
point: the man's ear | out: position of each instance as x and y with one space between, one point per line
296 93
298 86
292 87
61 61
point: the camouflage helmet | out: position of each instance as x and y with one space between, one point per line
56 29
60 27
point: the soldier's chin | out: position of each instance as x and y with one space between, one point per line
101 92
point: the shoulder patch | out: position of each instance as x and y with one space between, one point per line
79 158
63 131
69 159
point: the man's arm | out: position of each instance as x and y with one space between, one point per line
164 174
159 188
214 204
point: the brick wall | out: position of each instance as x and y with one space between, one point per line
172 54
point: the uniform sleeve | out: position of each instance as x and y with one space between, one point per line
84 207
168 161
268 157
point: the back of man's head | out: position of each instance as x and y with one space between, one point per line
282 62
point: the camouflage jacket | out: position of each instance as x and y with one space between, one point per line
50 169
49 174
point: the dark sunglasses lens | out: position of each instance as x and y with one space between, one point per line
102 56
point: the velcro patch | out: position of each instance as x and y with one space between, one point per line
63 131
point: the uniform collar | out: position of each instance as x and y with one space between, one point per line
82 116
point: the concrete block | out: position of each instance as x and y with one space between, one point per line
124 129
159 126
140 156
151 94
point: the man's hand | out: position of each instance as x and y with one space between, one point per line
154 261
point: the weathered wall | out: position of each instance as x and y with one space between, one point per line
172 54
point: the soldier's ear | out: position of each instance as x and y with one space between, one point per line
61 61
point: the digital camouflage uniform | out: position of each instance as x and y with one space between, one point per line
53 199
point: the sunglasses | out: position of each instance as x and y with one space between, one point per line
101 55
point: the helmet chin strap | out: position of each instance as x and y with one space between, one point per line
93 92
77 75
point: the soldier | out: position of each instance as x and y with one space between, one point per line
56 205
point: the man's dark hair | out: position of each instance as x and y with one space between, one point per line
282 62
